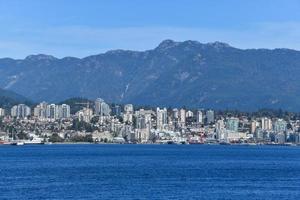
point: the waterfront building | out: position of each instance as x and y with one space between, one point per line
210 116
280 138
234 136
259 134
220 130
20 111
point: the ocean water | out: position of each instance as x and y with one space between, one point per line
149 172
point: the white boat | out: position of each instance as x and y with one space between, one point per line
47 143
17 143
34 141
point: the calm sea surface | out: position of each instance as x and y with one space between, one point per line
149 172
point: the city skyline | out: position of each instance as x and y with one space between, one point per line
112 123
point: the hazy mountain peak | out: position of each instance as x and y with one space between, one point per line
166 44
218 44
40 57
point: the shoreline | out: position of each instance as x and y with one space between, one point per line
173 144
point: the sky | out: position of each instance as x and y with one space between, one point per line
85 27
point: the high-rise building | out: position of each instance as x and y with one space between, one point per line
232 124
266 124
210 116
220 130
128 113
64 111
254 125
182 117
40 111
20 111
161 118
280 126
189 114
101 108
143 125
199 117
2 112
175 114
52 111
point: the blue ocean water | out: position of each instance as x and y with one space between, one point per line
149 172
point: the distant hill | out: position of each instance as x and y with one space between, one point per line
9 99
189 73
77 103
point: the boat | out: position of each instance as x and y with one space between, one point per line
34 141
4 143
224 143
47 143
17 143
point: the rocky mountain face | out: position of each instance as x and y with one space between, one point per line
189 73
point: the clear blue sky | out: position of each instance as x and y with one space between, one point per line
83 27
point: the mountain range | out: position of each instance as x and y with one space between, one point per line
211 75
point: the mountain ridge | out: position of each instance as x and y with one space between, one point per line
188 73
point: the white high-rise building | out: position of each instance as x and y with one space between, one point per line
199 117
189 114
2 112
20 111
44 111
161 118
266 124
220 130
128 113
101 108
64 111
52 111
40 111
182 117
